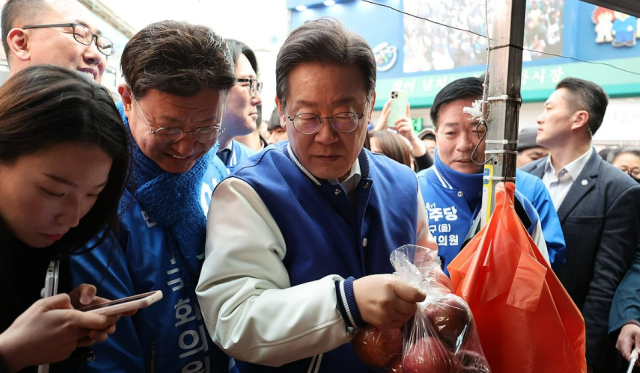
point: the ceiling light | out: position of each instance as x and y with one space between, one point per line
329 2
300 8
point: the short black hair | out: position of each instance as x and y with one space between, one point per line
586 96
236 48
177 58
324 40
459 89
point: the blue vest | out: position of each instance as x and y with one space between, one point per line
239 152
170 335
325 233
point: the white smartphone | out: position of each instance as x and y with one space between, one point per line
398 106
123 305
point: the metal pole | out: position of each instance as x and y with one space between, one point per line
504 98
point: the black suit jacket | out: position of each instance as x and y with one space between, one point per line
599 219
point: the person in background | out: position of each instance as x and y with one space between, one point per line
528 149
393 146
598 206
298 238
277 132
626 159
404 127
176 79
63 166
428 137
241 108
256 140
452 189
57 32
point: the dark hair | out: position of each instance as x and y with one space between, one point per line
45 105
393 146
324 40
177 58
274 120
614 153
459 89
586 96
236 48
16 9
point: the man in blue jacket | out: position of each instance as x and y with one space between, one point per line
452 188
299 237
177 77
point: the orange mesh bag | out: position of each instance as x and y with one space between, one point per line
525 319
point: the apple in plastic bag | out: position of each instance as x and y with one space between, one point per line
428 355
396 366
378 347
451 319
471 362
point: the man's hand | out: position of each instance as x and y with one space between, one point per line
49 331
629 339
385 301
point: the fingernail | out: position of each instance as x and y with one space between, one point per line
85 299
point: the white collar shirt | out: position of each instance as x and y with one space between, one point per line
560 185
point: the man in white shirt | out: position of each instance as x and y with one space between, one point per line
597 205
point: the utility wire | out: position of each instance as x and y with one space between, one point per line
486 37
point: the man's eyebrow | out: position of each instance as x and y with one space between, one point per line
97 32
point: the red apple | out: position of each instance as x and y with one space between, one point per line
396 367
471 362
451 319
428 355
378 347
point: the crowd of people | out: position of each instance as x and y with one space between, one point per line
428 46
271 245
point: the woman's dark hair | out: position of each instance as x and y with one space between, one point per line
45 105
614 153
236 48
393 146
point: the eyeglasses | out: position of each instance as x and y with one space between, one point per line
170 135
308 124
254 86
635 172
83 35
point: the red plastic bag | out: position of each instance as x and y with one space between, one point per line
440 338
526 320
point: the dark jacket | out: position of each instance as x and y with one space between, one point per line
599 218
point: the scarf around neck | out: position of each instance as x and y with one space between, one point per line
469 184
173 201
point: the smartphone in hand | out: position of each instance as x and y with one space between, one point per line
398 107
123 305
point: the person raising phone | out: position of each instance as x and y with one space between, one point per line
63 166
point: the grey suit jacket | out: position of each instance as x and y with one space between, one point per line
600 222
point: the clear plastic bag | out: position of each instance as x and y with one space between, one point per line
440 338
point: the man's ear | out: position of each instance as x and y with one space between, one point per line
581 117
283 119
18 41
127 98
373 102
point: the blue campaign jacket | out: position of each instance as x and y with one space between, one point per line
239 152
169 336
450 217
326 235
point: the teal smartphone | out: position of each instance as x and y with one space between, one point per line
398 106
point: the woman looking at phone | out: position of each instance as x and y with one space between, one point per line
63 165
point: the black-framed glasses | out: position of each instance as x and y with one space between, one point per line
254 86
308 124
170 135
83 35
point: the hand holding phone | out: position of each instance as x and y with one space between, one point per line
397 107
119 306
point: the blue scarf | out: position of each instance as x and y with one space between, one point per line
469 184
173 201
